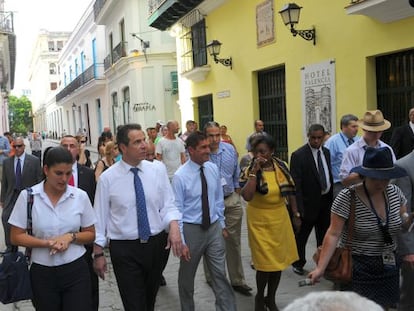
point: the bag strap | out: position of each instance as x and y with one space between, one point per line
351 220
28 252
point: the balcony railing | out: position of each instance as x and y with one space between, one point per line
97 7
93 72
165 13
153 5
117 53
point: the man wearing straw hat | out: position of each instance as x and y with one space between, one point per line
373 124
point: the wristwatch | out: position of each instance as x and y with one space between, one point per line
297 215
73 235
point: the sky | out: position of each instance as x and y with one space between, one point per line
32 15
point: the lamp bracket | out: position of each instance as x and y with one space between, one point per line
224 61
307 34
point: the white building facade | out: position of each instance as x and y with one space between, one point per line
140 65
114 70
82 94
44 79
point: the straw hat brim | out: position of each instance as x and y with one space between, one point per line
375 128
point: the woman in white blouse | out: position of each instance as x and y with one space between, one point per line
63 221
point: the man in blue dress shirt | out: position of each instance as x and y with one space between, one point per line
338 143
225 157
201 239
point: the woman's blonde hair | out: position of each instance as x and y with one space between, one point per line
109 147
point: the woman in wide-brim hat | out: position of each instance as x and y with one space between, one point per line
380 210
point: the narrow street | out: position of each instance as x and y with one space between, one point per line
168 298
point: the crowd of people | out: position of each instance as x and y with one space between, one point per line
158 190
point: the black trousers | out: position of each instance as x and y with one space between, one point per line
321 224
93 277
61 288
138 268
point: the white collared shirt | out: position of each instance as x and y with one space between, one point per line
354 155
115 201
73 211
411 124
22 157
75 174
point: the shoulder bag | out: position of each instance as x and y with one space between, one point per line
339 268
14 269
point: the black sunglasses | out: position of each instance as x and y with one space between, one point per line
18 146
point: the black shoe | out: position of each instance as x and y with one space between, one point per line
298 270
243 289
163 281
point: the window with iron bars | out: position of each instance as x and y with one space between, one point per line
193 45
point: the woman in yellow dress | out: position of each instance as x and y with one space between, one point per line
269 189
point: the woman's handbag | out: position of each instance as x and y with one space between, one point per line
14 269
339 268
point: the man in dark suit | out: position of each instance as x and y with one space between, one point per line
402 139
83 178
310 167
19 172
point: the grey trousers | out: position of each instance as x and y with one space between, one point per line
210 244
234 213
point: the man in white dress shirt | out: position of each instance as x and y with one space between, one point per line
137 259
373 124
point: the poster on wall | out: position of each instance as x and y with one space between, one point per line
318 95
265 27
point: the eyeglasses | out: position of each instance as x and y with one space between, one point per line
18 146
83 141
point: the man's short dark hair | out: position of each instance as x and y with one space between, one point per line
107 135
123 131
189 122
346 119
316 127
6 134
194 139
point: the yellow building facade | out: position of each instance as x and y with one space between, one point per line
366 52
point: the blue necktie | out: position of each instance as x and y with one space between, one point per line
144 230
18 175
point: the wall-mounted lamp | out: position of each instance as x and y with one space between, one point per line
213 49
290 15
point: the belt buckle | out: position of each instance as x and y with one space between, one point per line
142 241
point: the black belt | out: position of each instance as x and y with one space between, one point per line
226 196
